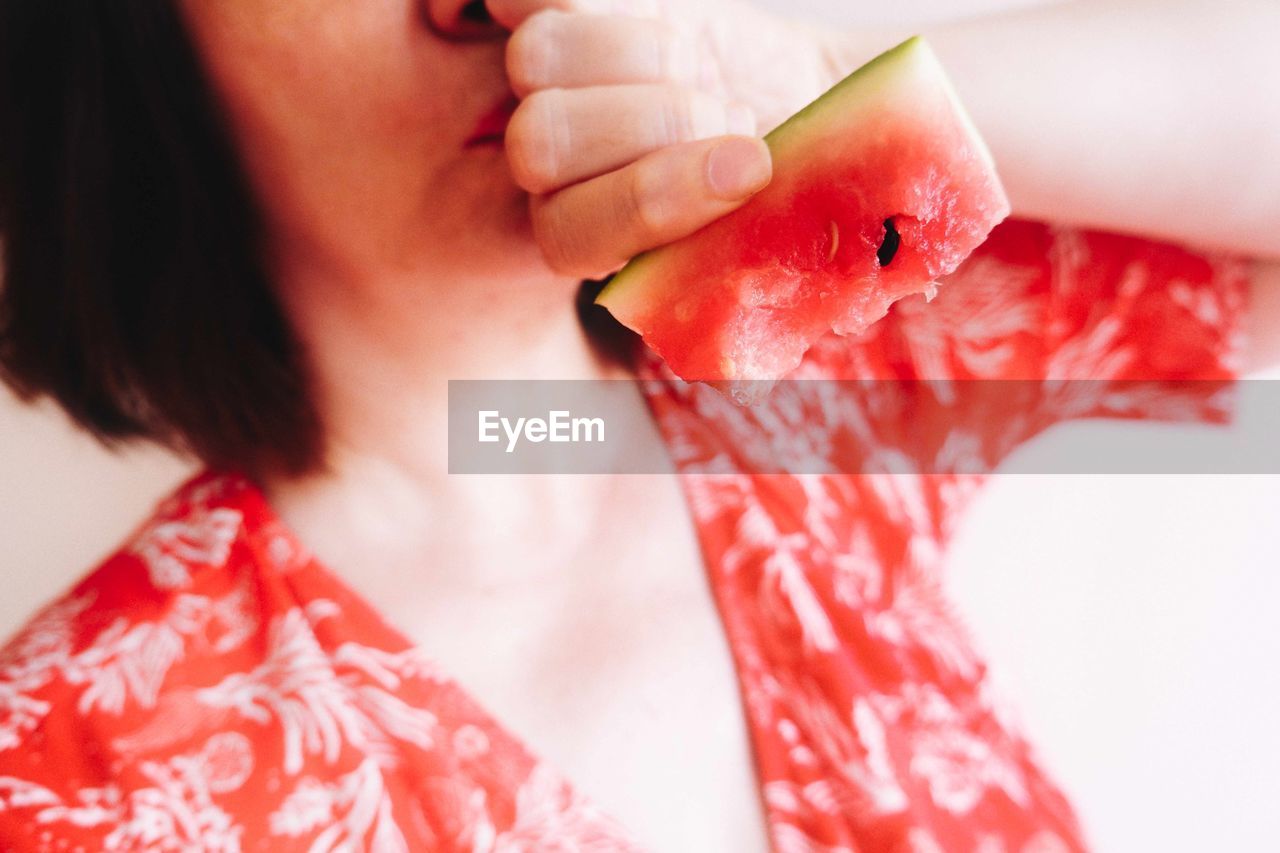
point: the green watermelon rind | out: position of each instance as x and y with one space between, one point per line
914 52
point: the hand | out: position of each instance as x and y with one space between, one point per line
638 121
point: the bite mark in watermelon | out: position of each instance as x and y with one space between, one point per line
879 187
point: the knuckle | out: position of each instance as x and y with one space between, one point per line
522 71
530 50
646 200
531 146
689 115
676 106
550 237
670 51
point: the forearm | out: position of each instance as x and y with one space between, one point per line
1160 118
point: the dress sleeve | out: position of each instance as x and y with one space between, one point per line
1045 302
1045 323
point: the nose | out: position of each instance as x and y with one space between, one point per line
461 19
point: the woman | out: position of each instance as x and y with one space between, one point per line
331 193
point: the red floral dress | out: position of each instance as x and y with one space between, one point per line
210 686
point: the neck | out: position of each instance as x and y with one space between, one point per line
382 354
381 359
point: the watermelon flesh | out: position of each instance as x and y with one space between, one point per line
879 187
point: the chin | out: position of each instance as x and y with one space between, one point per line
512 225
484 224
504 245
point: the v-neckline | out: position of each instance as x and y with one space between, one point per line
367 613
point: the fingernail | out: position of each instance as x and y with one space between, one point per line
742 119
738 167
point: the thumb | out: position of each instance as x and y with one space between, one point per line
596 226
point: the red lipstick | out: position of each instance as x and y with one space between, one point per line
493 124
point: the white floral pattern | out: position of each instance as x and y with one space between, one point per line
318 711
352 813
171 549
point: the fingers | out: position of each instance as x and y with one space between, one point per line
613 140
592 228
553 49
561 136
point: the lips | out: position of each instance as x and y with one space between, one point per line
493 124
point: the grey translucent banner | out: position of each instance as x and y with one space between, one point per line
864 427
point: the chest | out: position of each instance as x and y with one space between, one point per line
623 680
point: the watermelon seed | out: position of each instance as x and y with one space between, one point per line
889 246
835 241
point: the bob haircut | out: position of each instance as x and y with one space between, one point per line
133 291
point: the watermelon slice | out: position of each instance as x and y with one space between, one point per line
880 186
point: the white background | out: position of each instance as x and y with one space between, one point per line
1131 620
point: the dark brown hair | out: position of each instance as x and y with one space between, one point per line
133 290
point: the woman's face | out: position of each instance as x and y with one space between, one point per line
367 128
